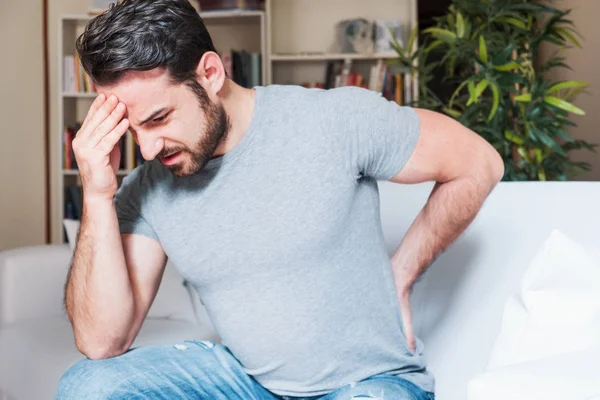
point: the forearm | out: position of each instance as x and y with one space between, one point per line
449 210
99 297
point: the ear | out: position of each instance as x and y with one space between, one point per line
211 72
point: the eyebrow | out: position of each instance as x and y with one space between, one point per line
153 115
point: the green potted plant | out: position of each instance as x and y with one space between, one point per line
489 52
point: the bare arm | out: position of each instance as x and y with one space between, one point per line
113 277
112 283
465 168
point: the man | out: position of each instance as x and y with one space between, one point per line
266 200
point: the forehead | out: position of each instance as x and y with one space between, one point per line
141 91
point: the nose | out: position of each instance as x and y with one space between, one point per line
150 145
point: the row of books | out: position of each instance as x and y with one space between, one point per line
243 67
75 79
392 84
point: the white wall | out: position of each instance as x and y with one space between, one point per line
22 190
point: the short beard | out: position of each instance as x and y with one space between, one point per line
217 128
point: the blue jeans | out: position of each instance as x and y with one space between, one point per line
200 370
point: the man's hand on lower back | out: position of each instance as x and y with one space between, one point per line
404 301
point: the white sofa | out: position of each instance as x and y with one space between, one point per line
458 305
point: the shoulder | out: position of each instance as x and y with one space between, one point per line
353 99
286 94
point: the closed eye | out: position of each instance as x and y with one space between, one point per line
159 119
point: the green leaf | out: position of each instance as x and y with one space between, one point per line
563 135
541 174
460 25
539 156
443 34
513 138
398 48
483 50
433 45
394 42
543 137
480 88
472 96
567 85
453 113
523 153
524 98
570 36
513 21
572 93
456 92
564 105
411 40
496 101
507 67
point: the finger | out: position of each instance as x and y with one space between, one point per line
115 117
100 99
115 158
99 116
110 140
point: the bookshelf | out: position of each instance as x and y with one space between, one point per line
330 57
234 30
303 45
294 39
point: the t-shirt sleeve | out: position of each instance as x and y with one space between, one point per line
131 206
376 135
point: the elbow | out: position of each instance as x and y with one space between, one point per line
494 165
99 350
491 165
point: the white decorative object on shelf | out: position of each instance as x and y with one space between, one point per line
383 30
354 36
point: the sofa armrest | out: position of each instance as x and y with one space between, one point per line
32 282
572 376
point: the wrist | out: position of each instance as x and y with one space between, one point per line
404 290
402 283
96 201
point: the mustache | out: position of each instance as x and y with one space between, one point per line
168 151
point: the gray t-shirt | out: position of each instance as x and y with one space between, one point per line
282 238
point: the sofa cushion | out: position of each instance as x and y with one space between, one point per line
556 310
35 354
32 280
571 376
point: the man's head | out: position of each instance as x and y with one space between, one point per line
158 58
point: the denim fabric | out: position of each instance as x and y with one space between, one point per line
200 370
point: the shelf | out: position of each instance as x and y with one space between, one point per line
331 56
241 13
231 14
77 17
75 172
79 95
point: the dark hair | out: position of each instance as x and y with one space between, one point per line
140 35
